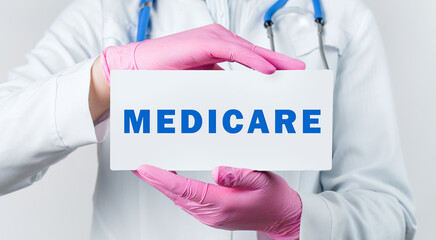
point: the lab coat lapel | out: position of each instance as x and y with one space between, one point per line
120 19
172 16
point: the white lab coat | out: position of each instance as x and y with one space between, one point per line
44 116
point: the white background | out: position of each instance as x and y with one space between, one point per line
59 206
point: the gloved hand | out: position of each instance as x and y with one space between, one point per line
200 48
243 199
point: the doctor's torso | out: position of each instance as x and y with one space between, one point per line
45 114
127 208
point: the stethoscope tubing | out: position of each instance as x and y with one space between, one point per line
273 9
144 19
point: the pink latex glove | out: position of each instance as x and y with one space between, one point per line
243 199
199 48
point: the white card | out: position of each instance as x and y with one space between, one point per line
197 120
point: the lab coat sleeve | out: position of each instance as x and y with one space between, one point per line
44 110
366 195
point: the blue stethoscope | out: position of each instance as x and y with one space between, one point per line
144 18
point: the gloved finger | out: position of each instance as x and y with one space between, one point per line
280 61
173 185
161 189
232 52
240 178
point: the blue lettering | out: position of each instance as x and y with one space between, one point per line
143 119
162 121
198 121
192 121
258 121
212 121
280 121
308 121
226 121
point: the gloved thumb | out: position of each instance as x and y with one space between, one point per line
240 178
